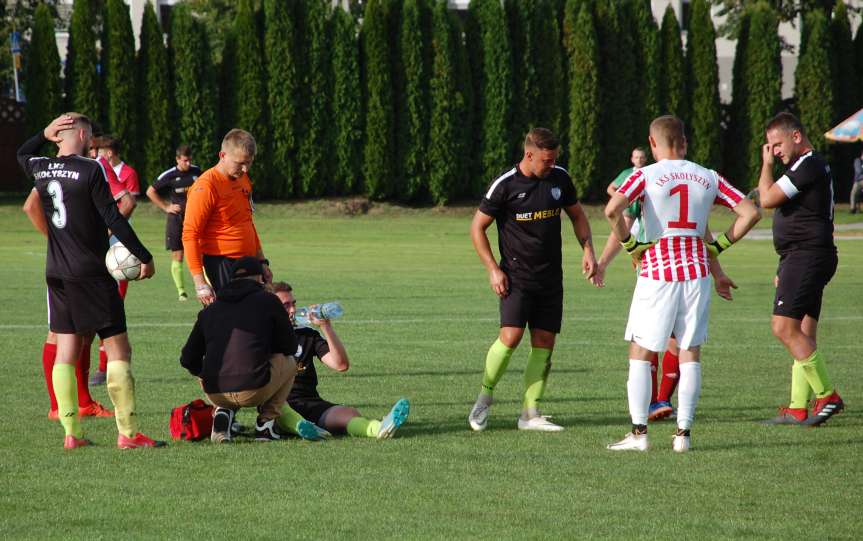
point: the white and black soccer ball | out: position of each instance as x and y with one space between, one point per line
121 263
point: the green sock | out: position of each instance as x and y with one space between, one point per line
66 391
496 362
121 389
289 419
816 375
361 427
535 377
177 275
800 389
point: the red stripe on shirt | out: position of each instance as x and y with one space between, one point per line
680 259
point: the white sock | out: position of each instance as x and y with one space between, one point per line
688 391
638 390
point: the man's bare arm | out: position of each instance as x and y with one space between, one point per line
33 209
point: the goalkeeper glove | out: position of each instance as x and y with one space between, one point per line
635 247
718 245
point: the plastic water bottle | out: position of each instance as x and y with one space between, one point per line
327 310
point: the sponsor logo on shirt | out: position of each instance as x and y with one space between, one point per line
521 195
537 215
555 192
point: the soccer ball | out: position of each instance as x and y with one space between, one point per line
121 263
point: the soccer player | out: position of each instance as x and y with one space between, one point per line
177 181
82 297
526 202
803 238
304 397
672 294
218 227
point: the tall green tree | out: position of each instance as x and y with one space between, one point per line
672 79
250 91
646 52
858 64
413 103
584 100
42 73
119 72
347 104
845 76
380 145
227 112
286 96
315 143
757 76
703 83
492 65
465 106
194 86
82 80
443 154
153 100
617 79
815 99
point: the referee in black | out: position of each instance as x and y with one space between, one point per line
82 297
803 238
526 202
176 181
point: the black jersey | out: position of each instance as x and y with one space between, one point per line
177 183
79 210
310 345
805 221
527 212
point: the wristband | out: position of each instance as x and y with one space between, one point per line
719 245
265 261
635 247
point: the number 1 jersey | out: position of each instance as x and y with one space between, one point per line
676 197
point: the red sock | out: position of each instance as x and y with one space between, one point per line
82 373
49 351
122 287
670 376
654 366
103 358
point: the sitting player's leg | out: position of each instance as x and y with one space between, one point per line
276 413
121 389
66 389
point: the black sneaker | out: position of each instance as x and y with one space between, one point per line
268 431
222 420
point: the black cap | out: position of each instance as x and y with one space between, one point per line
245 267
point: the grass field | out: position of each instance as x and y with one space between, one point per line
419 317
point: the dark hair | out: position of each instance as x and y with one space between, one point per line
541 138
106 141
283 287
785 121
640 149
184 150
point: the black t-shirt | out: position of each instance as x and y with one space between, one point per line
177 183
527 211
79 209
310 345
805 221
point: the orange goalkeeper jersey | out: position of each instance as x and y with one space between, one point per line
219 219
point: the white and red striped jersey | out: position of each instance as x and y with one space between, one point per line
676 197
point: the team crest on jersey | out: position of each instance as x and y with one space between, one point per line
555 192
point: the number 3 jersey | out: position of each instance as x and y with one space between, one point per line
676 197
79 209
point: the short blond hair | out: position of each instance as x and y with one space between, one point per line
668 130
242 140
80 122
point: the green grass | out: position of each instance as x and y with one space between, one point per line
419 317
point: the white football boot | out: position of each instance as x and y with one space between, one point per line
478 417
632 442
540 423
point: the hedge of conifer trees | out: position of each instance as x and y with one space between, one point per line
416 103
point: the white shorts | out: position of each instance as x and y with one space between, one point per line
660 309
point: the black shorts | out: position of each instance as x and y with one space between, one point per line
802 278
174 232
218 269
311 408
533 306
92 306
